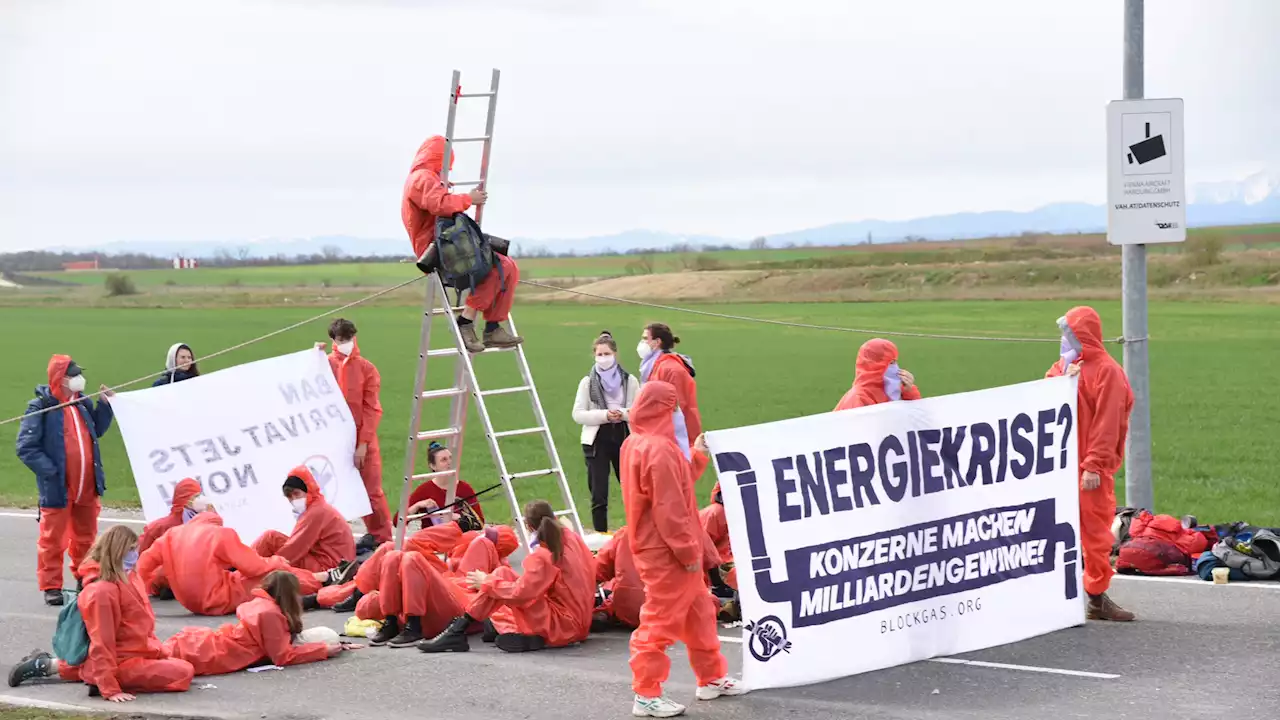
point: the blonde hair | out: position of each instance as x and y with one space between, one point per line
109 551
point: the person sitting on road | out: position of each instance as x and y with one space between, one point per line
724 578
321 539
624 590
179 365
125 657
267 628
209 570
660 362
426 199
430 495
60 446
877 377
187 502
549 605
601 407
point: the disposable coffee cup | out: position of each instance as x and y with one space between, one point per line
1220 575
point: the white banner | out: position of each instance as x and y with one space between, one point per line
894 533
239 432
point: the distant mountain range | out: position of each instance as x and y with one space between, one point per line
1256 199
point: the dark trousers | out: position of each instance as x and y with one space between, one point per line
606 452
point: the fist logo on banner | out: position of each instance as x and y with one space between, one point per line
767 638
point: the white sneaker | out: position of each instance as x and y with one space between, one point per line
724 686
659 707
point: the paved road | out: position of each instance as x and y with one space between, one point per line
1199 651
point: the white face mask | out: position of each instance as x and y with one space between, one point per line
76 384
644 350
605 362
199 503
346 347
298 506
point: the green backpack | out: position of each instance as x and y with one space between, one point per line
70 637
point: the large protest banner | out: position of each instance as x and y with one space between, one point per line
239 432
894 533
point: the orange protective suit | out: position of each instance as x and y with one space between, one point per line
1102 423
197 559
670 548
616 572
716 525
402 583
71 528
425 198
124 653
262 632
360 384
669 368
183 493
874 358
553 599
321 539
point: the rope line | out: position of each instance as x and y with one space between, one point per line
233 348
786 323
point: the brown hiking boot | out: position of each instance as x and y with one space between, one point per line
1102 607
469 338
501 338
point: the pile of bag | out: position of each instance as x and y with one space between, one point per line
1147 544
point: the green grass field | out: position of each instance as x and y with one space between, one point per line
1213 367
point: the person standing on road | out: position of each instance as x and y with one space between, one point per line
360 384
179 365
425 200
1103 404
602 407
125 657
671 553
659 361
58 441
877 377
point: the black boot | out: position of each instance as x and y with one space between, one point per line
349 605
310 602
411 634
390 629
513 643
165 594
37 666
453 639
53 598
490 632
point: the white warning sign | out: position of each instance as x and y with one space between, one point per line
1146 180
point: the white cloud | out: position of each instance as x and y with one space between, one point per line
156 120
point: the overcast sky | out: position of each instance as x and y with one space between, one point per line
164 120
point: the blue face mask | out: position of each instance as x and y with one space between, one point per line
892 382
533 540
130 560
188 515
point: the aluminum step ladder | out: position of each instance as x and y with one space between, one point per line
465 385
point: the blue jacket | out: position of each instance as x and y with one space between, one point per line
41 445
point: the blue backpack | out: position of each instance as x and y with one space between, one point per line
70 637
464 256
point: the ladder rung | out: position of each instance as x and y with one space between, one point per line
446 392
442 352
466 95
441 433
563 513
442 311
532 473
466 183
471 139
524 431
504 391
433 475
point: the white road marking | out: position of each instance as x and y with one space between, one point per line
1196 581
33 516
1027 668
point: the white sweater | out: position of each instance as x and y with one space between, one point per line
591 417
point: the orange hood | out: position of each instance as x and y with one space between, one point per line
183 493
874 358
58 365
1087 327
431 155
652 412
303 473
